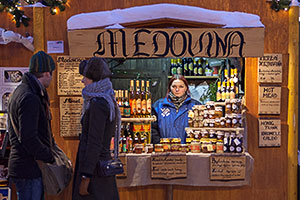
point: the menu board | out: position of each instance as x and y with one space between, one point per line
68 77
269 132
70 116
270 68
166 166
227 167
269 99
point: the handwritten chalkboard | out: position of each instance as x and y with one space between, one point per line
270 68
227 167
269 99
166 166
269 132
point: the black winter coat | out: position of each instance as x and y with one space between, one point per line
97 131
29 110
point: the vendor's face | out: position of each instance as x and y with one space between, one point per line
86 81
178 88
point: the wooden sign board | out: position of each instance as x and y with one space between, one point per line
68 77
166 166
123 159
227 167
70 116
269 100
269 132
175 42
270 68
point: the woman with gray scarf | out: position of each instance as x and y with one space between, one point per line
172 111
100 121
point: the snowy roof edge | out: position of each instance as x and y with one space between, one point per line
115 18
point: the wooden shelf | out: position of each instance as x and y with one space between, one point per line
199 77
215 129
148 119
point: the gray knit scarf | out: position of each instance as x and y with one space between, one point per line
177 101
102 88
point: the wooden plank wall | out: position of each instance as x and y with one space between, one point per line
269 178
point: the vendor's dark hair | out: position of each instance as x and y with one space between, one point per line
177 77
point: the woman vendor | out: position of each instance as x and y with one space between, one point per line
172 111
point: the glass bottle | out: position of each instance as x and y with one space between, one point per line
143 99
148 99
138 97
126 105
132 99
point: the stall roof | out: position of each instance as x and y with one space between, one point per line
122 18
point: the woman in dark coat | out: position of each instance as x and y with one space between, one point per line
100 120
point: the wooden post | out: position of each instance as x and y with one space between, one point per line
292 120
38 29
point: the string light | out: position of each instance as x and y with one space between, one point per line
13 7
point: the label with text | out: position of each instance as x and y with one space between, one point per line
168 166
227 167
269 132
269 99
68 77
70 115
270 68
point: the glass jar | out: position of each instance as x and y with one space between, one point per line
138 148
177 140
210 105
158 148
228 106
222 122
211 114
240 120
206 123
228 123
234 121
175 147
217 123
205 114
211 123
219 146
149 148
218 111
183 148
195 147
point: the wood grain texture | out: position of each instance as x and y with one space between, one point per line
269 177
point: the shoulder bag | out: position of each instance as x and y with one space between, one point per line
111 167
56 176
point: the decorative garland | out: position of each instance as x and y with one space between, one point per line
278 5
14 8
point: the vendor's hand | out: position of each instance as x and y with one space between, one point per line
83 187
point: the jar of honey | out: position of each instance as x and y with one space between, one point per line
158 148
195 147
149 148
228 123
138 148
222 122
228 106
183 148
218 111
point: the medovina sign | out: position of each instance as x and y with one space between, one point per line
146 43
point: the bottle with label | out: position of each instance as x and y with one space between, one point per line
208 69
219 92
184 62
148 99
236 82
173 67
226 142
179 67
228 90
223 91
132 99
239 143
126 105
143 97
120 102
195 67
232 145
200 68
138 96
190 67
232 90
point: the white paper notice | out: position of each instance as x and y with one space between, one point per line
55 46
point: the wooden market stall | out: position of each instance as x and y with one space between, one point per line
273 175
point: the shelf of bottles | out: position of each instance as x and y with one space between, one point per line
217 127
135 109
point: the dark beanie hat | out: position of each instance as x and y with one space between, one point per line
95 69
41 62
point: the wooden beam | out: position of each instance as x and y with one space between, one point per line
293 51
38 29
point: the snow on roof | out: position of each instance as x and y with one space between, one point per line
115 18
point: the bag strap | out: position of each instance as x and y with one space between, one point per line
116 144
